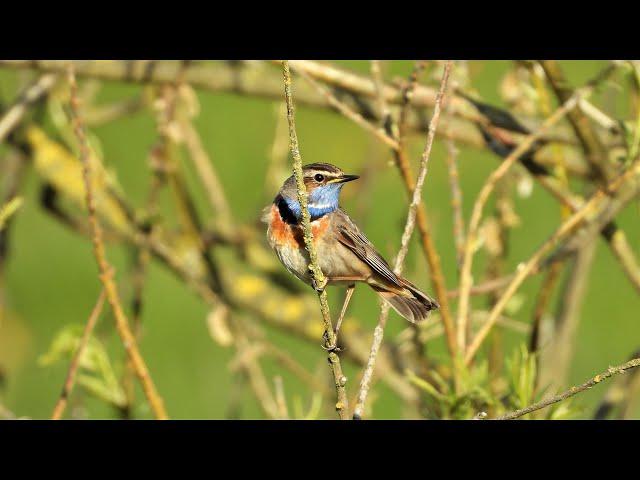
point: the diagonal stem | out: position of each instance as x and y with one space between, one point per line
70 379
106 271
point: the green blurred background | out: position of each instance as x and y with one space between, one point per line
51 276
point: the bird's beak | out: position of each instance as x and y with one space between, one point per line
345 178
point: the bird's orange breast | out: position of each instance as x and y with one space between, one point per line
285 234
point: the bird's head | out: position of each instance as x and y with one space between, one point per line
323 182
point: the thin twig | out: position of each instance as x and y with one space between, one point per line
206 171
257 79
106 271
75 361
610 372
428 246
342 405
398 130
352 115
404 248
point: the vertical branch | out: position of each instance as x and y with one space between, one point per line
319 280
70 379
406 236
428 247
106 271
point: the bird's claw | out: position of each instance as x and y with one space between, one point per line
319 287
331 347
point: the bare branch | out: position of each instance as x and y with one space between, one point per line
404 248
75 361
106 271
319 280
610 372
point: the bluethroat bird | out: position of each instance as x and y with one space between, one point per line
345 255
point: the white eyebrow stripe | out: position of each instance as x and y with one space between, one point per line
325 174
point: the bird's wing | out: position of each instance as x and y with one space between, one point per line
350 236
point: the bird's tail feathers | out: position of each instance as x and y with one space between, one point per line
411 303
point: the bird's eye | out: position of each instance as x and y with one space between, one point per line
318 177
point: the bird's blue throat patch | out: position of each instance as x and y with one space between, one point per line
322 200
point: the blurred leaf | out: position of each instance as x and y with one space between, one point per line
521 373
99 389
96 373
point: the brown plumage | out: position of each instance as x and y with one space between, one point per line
345 254
404 296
